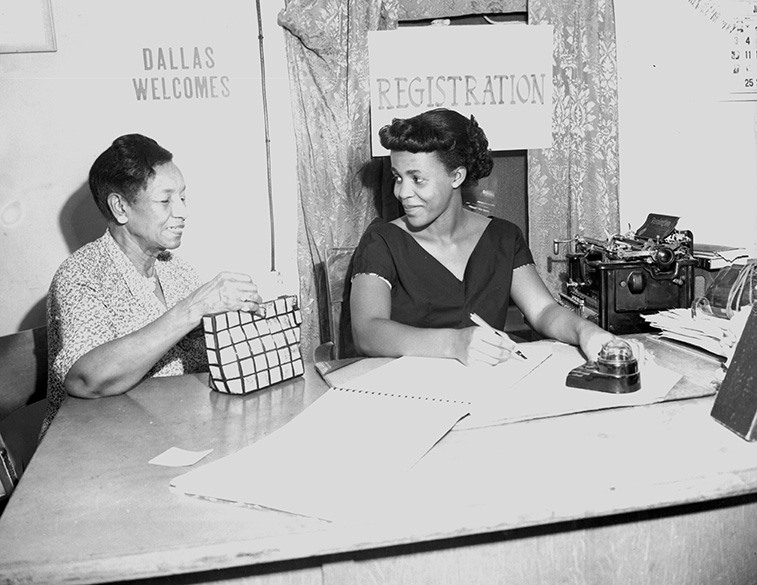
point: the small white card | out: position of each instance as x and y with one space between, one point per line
175 457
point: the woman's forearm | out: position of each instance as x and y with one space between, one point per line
559 323
117 366
384 337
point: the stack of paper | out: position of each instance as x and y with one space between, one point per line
713 334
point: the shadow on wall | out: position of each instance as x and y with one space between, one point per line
80 223
80 220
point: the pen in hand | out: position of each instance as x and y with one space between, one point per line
481 323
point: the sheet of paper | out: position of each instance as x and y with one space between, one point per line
330 459
544 393
448 379
514 390
176 457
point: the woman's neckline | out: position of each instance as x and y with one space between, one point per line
474 249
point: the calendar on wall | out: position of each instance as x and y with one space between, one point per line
742 58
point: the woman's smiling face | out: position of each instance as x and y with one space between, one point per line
424 187
157 215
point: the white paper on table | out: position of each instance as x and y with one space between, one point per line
449 379
330 459
516 389
356 442
544 393
176 457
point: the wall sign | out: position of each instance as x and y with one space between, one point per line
180 73
501 74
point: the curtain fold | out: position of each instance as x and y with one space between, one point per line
339 183
573 186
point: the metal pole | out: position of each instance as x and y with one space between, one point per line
267 137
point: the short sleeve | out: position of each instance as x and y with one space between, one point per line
79 318
373 256
522 255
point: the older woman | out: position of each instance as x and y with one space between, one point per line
418 278
125 307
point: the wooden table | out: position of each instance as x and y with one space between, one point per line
649 494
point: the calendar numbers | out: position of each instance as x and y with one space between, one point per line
743 51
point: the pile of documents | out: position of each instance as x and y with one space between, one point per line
708 332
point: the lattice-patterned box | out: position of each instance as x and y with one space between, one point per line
247 352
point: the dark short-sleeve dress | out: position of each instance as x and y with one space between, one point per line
425 293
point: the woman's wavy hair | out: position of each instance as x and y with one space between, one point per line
456 140
126 168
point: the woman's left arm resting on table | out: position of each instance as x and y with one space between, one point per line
551 319
120 364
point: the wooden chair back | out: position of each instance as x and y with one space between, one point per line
338 267
23 369
8 474
23 400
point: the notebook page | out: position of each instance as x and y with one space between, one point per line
449 379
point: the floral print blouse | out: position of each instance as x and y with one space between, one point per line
98 295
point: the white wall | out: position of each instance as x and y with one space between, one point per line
684 150
59 110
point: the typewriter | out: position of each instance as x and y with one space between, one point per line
615 281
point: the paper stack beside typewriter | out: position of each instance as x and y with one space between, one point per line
708 332
715 321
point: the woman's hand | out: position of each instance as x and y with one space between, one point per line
479 346
591 340
229 291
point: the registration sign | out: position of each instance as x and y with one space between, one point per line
501 74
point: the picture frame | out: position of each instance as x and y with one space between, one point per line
26 26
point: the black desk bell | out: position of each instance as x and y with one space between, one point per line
616 371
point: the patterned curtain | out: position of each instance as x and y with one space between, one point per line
425 9
327 54
573 186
